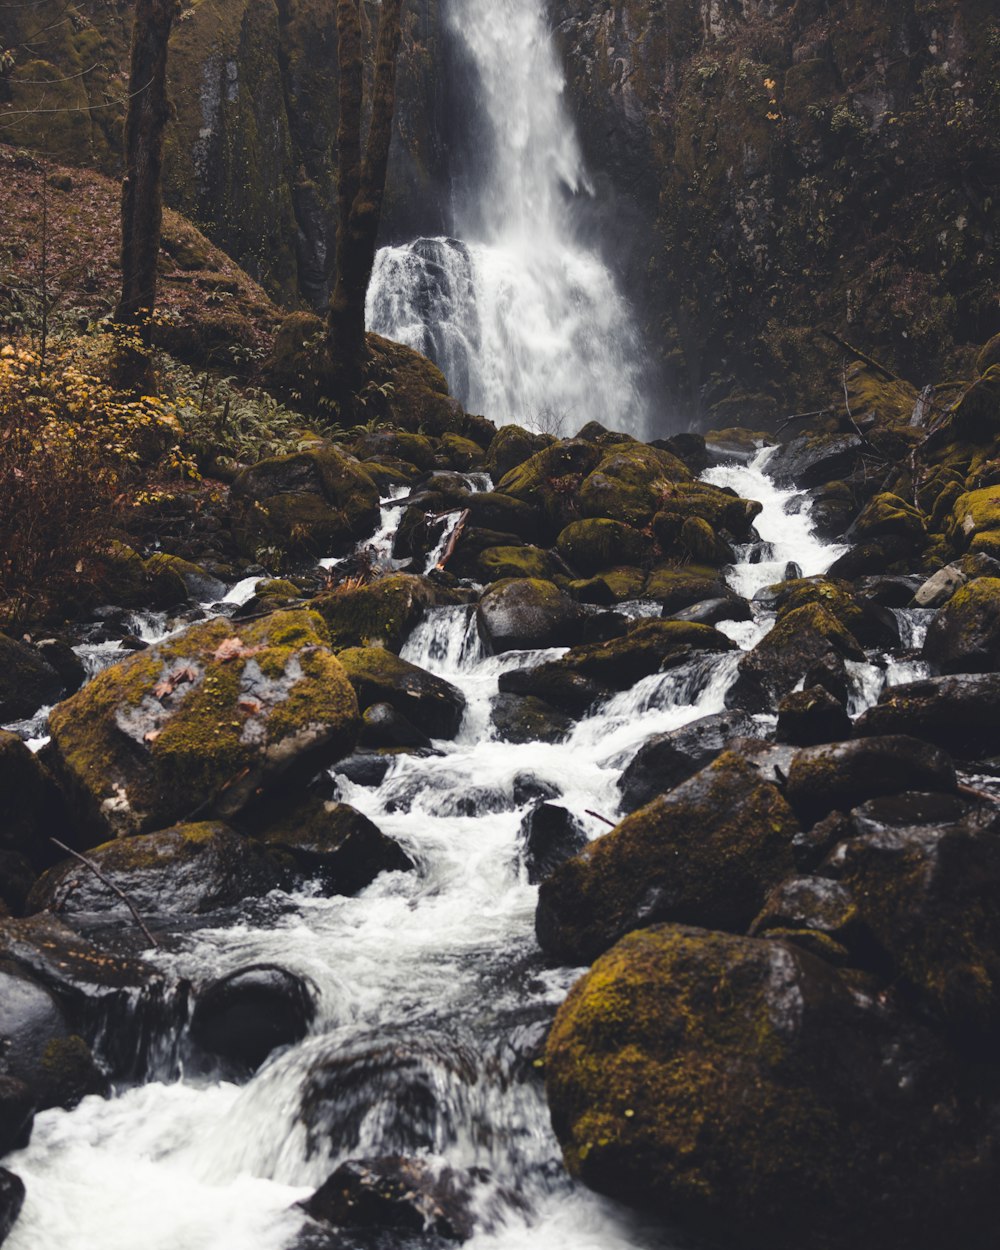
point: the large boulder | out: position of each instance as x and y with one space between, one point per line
629 483
744 1092
597 543
434 705
32 807
550 481
964 636
27 681
620 662
511 446
706 853
665 760
11 1201
813 460
960 713
311 503
245 1015
525 718
379 613
526 613
183 871
550 835
203 723
331 843
842 775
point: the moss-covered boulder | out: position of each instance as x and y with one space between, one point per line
802 640
33 808
871 624
597 543
496 564
706 853
27 681
730 1085
630 482
434 705
677 587
809 717
616 585
964 636
818 914
183 871
490 510
842 775
198 584
380 613
525 718
312 503
511 446
560 687
889 516
665 760
203 723
526 613
643 650
928 895
973 513
415 449
550 480
960 713
331 843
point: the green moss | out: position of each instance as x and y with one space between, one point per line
498 563
598 543
680 587
381 613
616 585
630 483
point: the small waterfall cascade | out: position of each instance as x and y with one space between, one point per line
431 995
520 313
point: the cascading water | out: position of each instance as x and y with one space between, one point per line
432 998
523 317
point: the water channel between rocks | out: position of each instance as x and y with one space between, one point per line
432 994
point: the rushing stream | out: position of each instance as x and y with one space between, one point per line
518 309
432 996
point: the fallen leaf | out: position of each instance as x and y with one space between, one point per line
249 705
151 735
234 649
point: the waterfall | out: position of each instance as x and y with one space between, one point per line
518 310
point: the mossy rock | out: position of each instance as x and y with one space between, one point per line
511 446
525 613
972 513
126 581
204 721
550 480
597 543
388 474
621 662
679 587
27 681
727 1086
871 625
415 449
195 582
33 807
462 453
964 636
183 871
707 853
870 392
524 718
272 593
802 638
614 585
497 563
380 613
889 516
977 413
629 483
434 705
313 503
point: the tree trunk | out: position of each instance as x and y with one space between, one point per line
361 186
142 198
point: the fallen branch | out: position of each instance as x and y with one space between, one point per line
598 816
449 551
804 416
89 863
860 355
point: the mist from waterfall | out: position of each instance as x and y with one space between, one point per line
519 311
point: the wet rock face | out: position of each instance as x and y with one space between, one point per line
203 722
525 613
244 1016
33 808
960 713
964 636
183 871
17 1113
26 680
706 853
730 1084
11 1201
550 836
395 1192
433 705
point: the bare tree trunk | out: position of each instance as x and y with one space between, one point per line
361 184
142 196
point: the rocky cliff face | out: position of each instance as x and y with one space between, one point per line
251 153
790 168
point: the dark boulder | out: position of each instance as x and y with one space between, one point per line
550 835
597 543
434 705
815 906
27 681
643 650
730 1086
706 853
32 808
17 1114
964 636
11 1201
960 713
814 460
332 843
182 871
809 717
569 692
842 775
383 727
712 611
61 656
524 718
394 1192
246 1015
525 613
667 759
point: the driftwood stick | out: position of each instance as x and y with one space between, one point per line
860 355
598 816
89 863
449 551
804 416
